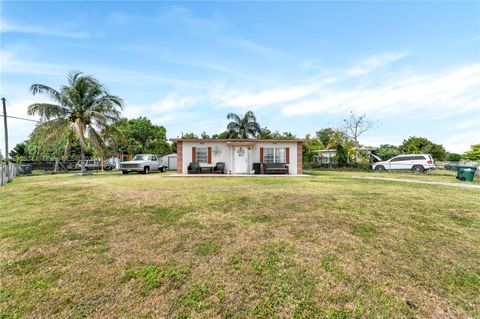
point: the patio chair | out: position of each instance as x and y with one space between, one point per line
193 168
219 168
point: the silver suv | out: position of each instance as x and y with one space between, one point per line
143 163
418 163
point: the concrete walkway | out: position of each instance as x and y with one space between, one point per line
419 182
236 175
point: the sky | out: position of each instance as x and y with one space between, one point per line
412 67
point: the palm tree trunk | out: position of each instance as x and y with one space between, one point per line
83 170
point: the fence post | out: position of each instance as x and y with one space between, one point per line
1 177
55 170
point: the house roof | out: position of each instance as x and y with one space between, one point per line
234 140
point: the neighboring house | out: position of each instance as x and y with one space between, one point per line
325 156
239 155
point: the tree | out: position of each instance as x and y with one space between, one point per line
473 154
354 126
189 136
324 135
83 111
346 149
309 147
243 127
387 151
204 135
453 157
19 153
142 136
265 133
421 145
222 135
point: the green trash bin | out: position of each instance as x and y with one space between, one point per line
466 173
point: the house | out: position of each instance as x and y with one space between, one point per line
325 156
241 156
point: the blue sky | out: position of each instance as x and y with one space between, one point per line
414 68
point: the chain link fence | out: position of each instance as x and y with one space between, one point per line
8 173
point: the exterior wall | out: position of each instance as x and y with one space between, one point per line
226 155
180 169
292 167
299 158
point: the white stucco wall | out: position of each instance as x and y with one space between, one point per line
226 154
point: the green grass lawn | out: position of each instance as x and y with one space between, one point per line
323 246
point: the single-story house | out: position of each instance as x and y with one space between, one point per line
325 156
241 156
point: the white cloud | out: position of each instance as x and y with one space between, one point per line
256 100
11 64
375 62
173 101
461 142
427 95
40 30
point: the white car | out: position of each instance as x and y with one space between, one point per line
143 163
418 163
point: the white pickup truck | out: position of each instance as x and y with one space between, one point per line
143 163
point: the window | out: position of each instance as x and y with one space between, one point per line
202 156
140 157
280 155
154 158
274 155
269 155
399 159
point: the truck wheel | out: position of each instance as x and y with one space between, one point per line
125 172
418 169
146 170
380 168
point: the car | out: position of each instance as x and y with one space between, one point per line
95 165
89 165
143 163
417 163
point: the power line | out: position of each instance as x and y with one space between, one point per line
20 118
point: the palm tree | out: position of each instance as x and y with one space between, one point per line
82 110
243 127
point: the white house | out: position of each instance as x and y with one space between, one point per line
241 156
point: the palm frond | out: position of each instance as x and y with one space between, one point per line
47 111
45 89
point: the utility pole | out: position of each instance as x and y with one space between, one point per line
6 136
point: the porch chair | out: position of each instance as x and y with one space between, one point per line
219 168
193 168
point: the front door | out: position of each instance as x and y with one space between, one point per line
241 159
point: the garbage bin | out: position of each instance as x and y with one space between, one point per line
466 173
256 167
26 169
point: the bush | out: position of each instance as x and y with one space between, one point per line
453 157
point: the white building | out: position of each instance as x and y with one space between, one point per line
241 156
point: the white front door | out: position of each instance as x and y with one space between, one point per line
240 158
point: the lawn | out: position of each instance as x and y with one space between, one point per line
153 246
